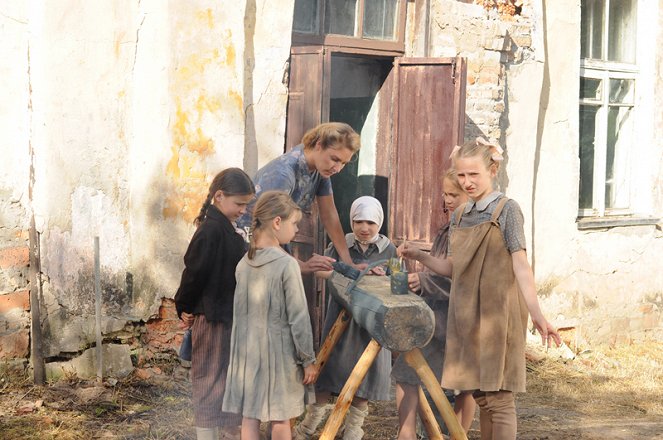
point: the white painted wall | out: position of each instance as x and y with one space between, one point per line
136 105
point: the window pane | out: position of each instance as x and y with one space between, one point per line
622 30
620 137
590 88
306 16
591 33
340 17
587 143
380 19
622 91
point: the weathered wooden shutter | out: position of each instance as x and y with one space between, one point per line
428 114
305 111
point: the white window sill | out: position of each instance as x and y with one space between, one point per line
617 221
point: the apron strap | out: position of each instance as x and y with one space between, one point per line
498 209
459 213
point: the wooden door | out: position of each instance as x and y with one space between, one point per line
305 111
428 114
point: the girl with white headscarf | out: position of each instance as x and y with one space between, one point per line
366 245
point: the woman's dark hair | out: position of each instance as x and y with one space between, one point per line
233 182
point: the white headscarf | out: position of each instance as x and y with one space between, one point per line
367 208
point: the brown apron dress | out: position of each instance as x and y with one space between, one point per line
487 312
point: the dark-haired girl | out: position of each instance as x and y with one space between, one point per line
204 300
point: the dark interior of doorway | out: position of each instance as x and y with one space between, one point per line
354 87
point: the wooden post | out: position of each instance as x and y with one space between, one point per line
428 417
341 323
417 361
97 311
36 339
349 389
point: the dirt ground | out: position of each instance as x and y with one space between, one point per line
595 396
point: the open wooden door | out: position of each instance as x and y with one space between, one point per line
305 111
428 114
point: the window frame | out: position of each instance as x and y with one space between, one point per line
604 70
392 47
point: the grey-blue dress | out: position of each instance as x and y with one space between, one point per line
354 340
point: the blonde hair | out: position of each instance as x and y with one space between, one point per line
490 154
453 178
270 204
332 134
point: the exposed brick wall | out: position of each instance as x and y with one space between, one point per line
14 299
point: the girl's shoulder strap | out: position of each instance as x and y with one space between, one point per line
498 209
458 213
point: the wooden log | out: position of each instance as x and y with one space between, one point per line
349 389
428 417
396 322
416 360
341 323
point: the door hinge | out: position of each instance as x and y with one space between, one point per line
453 71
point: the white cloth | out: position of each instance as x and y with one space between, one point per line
367 208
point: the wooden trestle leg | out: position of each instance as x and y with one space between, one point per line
417 361
349 389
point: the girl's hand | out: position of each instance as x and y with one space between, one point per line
377 270
310 373
408 251
317 263
187 320
547 331
413 281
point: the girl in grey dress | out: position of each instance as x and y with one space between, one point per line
366 245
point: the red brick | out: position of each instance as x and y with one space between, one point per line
14 257
15 345
15 300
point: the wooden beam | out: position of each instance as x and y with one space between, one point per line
416 360
349 389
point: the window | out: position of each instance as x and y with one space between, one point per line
373 24
608 78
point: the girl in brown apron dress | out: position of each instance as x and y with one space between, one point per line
492 292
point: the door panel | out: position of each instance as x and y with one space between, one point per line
428 119
305 112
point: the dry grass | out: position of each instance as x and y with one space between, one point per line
603 386
614 381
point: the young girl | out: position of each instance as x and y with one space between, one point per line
435 290
492 291
271 350
366 245
204 299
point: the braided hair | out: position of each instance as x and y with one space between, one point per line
233 182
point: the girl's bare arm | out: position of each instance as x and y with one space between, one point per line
441 266
525 279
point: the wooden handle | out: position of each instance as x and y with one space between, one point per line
341 323
416 360
428 417
349 389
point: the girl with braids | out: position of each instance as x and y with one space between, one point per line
204 300
492 291
271 352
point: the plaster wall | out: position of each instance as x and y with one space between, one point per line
522 90
14 180
131 107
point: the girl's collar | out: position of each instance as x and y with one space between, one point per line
483 203
381 243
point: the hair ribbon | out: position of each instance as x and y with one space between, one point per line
496 150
